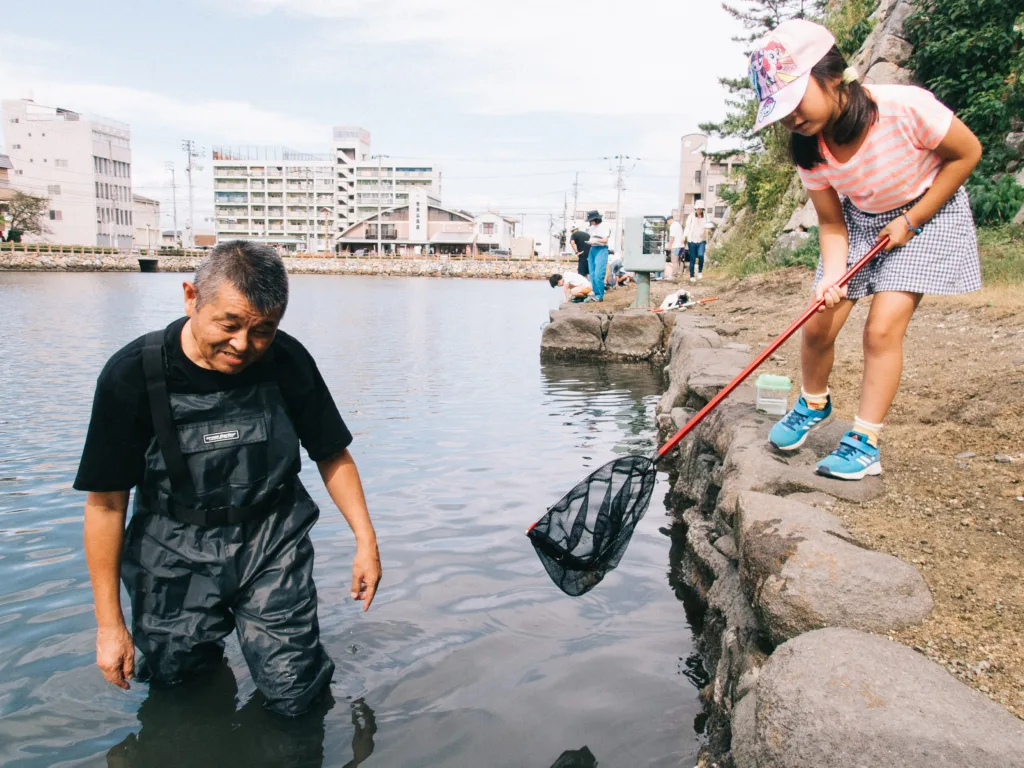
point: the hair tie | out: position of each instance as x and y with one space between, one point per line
850 75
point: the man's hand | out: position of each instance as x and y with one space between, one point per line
366 573
115 655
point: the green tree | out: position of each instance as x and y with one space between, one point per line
970 54
26 214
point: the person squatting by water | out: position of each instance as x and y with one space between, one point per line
576 287
898 157
204 419
600 233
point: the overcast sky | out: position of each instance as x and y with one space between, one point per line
509 98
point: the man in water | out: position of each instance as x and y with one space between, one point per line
580 242
205 419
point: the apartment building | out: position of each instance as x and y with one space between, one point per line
6 190
304 201
494 232
146 215
702 178
81 163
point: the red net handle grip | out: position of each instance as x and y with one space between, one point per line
728 389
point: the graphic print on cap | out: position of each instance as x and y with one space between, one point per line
771 68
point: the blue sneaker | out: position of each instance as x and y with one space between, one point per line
791 430
853 459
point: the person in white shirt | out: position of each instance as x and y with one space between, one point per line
576 286
600 233
695 234
676 244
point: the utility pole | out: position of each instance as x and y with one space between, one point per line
189 147
174 198
380 188
619 187
575 194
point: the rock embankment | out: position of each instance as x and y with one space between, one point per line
796 676
630 335
21 261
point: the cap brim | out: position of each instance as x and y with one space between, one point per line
781 103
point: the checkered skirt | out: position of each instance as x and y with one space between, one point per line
943 259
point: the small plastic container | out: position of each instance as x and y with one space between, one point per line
773 393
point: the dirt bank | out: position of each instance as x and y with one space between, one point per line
953 454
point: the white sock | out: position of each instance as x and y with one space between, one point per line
817 402
869 430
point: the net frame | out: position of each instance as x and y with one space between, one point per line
585 533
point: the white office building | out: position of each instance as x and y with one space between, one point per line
81 163
304 202
146 215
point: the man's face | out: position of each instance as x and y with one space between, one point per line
229 333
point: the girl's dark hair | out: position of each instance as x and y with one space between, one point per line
858 111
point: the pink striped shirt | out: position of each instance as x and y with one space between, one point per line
897 162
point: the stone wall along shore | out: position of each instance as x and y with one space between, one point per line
801 674
21 261
796 610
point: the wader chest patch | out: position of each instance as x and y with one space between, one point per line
221 437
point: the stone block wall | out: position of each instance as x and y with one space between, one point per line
796 609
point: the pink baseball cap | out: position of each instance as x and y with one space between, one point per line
780 67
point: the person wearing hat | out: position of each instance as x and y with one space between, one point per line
580 242
878 162
695 234
597 260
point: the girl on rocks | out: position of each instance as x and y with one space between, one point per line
877 161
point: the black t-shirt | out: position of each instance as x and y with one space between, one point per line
121 426
582 240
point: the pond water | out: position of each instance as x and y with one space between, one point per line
469 656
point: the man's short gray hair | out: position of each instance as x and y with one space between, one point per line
253 269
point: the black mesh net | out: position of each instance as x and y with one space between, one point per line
583 536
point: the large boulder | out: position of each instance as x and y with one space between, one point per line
886 73
635 335
572 334
785 246
803 571
1015 143
894 50
838 698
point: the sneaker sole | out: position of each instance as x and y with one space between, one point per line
872 470
802 440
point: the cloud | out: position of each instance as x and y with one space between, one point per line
595 57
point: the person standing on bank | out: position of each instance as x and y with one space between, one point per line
597 259
580 242
676 244
878 161
695 235
205 419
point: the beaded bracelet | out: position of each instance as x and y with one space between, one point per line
911 227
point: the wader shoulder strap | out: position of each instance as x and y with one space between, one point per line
160 408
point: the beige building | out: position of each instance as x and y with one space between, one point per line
419 227
82 164
494 232
701 178
146 215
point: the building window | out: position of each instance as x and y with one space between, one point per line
15 146
711 188
53 189
696 177
719 211
60 163
15 120
56 216
488 228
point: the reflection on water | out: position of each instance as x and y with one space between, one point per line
469 656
